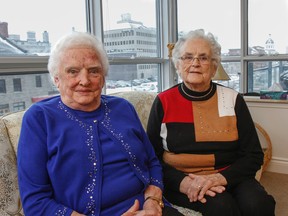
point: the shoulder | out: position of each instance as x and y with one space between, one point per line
169 94
226 92
47 105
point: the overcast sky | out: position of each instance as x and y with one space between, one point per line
58 17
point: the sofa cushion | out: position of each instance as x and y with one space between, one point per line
9 194
13 123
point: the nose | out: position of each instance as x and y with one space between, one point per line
195 61
84 78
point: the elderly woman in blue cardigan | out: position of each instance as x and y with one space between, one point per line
83 153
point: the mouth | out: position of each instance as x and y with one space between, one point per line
194 72
83 91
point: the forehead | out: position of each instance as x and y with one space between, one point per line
196 47
80 54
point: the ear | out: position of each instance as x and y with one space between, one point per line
104 80
56 81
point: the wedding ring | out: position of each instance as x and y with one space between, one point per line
199 187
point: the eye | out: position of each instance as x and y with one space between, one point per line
187 58
72 71
203 58
95 71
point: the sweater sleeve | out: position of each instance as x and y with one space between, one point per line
172 177
34 184
154 167
250 154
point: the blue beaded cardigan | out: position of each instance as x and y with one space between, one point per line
60 161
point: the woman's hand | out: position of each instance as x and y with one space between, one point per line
197 186
149 209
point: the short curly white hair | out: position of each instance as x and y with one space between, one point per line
74 40
197 34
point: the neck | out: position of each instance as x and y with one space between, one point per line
196 95
198 88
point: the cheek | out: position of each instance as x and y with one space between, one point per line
184 68
101 81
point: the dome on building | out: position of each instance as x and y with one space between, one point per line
269 41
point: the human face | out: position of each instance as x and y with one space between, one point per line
196 75
80 79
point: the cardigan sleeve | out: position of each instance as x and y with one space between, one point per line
34 185
172 177
154 166
250 154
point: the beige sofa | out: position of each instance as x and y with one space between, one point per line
9 133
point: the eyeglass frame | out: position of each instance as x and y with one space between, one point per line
190 59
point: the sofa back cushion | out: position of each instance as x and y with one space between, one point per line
9 193
13 123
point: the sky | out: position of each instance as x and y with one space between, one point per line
58 17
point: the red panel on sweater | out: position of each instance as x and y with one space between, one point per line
177 111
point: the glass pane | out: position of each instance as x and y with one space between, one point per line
233 69
267 32
128 32
30 27
221 18
133 77
263 75
18 92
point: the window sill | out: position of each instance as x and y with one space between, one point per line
258 100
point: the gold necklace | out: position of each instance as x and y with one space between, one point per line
197 97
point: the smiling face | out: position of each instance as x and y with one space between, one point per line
196 73
80 79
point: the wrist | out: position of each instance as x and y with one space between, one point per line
156 199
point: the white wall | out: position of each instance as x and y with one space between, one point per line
273 117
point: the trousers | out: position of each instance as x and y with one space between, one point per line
248 198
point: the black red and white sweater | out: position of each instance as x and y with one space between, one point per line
204 133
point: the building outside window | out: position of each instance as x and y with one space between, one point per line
4 108
17 85
2 86
18 106
38 81
131 35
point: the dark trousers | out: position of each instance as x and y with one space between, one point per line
249 198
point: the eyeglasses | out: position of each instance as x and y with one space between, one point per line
202 59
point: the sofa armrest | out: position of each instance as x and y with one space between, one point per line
9 193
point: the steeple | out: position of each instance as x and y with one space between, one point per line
270 46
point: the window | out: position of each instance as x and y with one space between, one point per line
17 85
270 38
130 35
221 17
18 106
123 21
38 81
4 108
2 86
269 43
34 33
224 24
257 62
